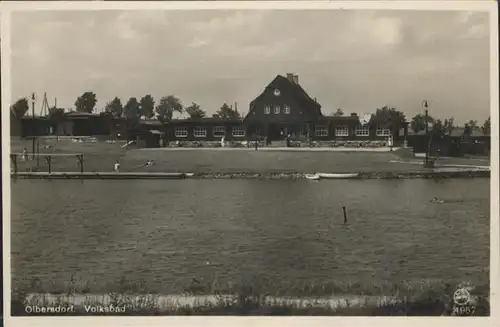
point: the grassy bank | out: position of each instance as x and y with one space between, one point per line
101 156
256 297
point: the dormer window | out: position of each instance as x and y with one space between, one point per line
277 109
267 110
277 92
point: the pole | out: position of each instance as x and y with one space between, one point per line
37 153
427 136
33 120
345 214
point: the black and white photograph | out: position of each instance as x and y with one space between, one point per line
250 160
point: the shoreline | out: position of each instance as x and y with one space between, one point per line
277 149
417 174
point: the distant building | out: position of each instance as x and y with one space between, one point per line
283 108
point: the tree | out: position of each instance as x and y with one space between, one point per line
472 124
132 109
132 112
448 125
147 106
338 113
226 112
168 105
19 108
418 122
438 129
86 102
390 118
194 111
486 128
114 108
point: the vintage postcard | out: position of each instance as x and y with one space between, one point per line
238 161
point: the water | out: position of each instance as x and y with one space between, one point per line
167 232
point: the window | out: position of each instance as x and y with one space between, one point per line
238 132
181 132
277 109
363 131
219 131
341 131
321 131
200 132
267 110
383 132
286 110
277 92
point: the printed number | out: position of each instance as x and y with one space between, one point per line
464 311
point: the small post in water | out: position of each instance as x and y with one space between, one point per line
37 153
49 162
80 160
345 214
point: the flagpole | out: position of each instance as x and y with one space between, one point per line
425 105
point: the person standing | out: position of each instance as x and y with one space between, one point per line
24 154
117 166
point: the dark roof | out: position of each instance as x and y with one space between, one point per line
456 132
79 114
36 117
459 131
206 120
348 118
301 95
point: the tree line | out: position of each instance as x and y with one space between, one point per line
134 109
419 121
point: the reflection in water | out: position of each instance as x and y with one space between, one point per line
166 231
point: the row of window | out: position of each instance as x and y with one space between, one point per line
322 131
277 109
217 131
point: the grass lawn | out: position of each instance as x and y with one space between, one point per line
100 157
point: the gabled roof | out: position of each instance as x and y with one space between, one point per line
301 95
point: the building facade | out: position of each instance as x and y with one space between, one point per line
282 109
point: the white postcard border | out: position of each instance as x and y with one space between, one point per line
487 6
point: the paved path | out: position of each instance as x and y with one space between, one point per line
451 165
277 149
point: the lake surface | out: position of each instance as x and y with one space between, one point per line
167 232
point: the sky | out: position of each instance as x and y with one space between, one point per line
355 60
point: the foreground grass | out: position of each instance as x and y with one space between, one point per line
423 298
